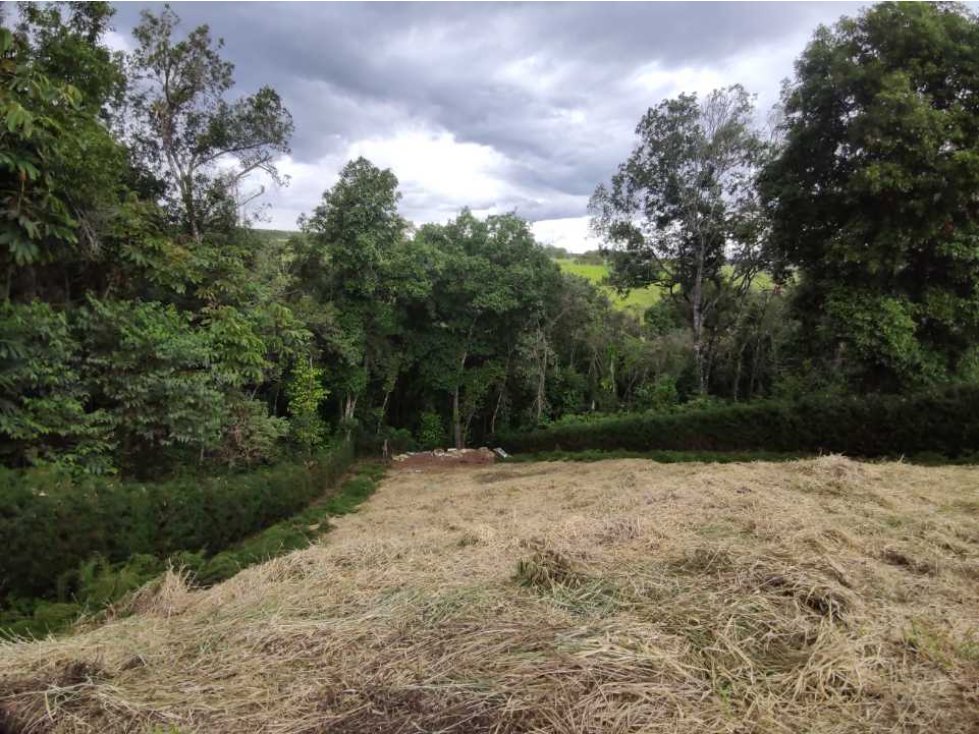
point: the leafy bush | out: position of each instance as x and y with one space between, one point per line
371 443
306 392
431 431
42 410
52 523
98 582
943 421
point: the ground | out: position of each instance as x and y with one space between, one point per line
619 596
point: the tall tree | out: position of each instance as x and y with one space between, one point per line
204 143
875 195
490 288
352 264
683 207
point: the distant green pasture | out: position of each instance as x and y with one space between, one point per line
639 299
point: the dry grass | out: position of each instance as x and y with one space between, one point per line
621 596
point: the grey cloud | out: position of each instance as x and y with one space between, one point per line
350 72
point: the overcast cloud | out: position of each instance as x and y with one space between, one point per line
499 107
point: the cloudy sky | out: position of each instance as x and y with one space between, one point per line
495 106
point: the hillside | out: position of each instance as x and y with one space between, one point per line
275 235
637 300
621 596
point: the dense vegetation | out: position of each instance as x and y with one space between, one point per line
147 331
938 422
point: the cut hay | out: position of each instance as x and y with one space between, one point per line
620 596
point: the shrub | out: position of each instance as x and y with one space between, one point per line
98 582
943 421
372 443
431 431
52 523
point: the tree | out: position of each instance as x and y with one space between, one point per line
874 197
682 208
65 40
52 199
351 263
204 143
490 286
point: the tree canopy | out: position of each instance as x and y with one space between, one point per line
873 197
681 212
147 329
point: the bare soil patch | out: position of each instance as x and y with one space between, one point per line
443 459
621 596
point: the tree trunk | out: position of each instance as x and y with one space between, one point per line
384 410
191 213
456 419
541 354
496 411
737 373
696 306
349 407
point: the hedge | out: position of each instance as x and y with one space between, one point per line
942 421
50 523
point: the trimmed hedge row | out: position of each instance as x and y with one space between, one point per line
50 524
97 583
944 421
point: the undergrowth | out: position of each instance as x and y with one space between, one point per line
99 582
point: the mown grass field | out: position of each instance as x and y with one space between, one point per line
820 595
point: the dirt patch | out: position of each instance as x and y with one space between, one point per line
443 459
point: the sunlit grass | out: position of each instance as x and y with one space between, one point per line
637 300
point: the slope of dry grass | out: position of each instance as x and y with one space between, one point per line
621 596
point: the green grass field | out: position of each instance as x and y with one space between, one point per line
637 300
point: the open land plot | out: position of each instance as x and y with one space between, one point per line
622 596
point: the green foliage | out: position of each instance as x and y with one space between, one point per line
306 393
873 195
941 421
150 363
98 582
492 285
681 212
37 116
50 522
121 347
43 396
349 263
187 128
431 431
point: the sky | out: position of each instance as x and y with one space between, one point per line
496 106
